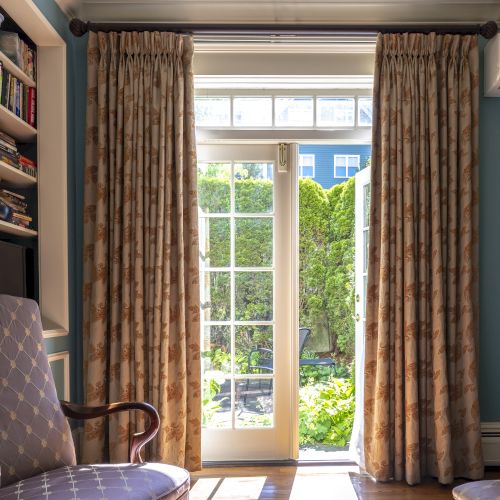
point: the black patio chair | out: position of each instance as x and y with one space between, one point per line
328 362
260 361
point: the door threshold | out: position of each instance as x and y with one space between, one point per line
277 463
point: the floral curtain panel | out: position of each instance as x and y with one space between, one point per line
421 395
141 283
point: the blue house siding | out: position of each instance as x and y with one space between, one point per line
323 155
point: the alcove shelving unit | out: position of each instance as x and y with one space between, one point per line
47 144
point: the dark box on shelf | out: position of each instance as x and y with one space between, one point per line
16 270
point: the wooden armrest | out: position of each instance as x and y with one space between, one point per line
139 439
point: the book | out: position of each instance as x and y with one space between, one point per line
5 146
14 201
7 138
18 97
9 159
15 195
26 161
27 166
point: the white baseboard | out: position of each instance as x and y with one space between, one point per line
490 432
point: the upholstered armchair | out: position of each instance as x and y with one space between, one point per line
37 453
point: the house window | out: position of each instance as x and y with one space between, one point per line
345 166
306 165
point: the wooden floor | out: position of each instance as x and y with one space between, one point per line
307 483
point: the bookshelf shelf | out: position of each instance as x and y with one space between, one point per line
15 70
15 177
7 227
15 126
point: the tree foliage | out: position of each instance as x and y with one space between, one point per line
326 256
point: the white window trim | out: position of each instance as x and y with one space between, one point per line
313 165
335 176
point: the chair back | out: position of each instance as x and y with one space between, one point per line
34 434
303 335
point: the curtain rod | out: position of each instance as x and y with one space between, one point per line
487 30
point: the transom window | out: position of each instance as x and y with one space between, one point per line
282 111
345 166
306 165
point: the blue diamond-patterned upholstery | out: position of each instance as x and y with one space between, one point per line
478 490
104 482
34 433
37 454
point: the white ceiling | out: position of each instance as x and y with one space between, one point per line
285 11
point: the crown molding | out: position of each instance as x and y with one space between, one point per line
291 11
72 8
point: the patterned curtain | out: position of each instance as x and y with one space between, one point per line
141 283
421 395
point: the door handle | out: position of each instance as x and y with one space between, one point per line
357 317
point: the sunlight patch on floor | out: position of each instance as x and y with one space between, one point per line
204 488
324 482
231 488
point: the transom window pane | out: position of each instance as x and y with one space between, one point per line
212 111
365 106
294 111
335 112
252 111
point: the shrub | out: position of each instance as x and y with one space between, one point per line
326 412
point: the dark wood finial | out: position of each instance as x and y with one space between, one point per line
489 29
78 27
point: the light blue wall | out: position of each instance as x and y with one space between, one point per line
76 81
489 256
324 159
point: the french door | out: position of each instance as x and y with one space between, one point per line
362 232
245 221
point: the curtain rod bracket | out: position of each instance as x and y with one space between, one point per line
488 30
78 27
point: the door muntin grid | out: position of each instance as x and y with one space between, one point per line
237 221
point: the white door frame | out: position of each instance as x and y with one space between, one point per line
281 441
361 231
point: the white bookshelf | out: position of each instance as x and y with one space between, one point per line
8 228
15 177
16 127
15 70
50 137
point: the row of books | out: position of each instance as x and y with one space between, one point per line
18 97
19 52
10 155
14 209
